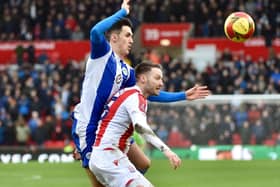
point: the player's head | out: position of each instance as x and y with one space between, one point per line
120 37
149 78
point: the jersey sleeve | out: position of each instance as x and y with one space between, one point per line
168 97
99 44
137 113
136 106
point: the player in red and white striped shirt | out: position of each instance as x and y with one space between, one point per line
125 113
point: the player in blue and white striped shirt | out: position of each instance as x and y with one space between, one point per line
106 73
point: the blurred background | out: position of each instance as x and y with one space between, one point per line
44 45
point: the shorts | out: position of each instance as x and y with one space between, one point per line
112 168
84 137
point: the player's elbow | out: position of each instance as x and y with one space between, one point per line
93 32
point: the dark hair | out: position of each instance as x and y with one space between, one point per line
118 26
145 67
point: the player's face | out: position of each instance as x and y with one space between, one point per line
154 81
124 41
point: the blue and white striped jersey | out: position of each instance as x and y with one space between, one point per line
104 76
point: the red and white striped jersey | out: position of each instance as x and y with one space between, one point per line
125 109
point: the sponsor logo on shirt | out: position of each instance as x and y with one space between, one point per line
118 78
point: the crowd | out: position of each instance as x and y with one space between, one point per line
221 124
230 74
38 95
72 19
36 101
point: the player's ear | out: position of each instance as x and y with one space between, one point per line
114 37
142 78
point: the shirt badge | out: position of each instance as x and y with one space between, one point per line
118 78
124 71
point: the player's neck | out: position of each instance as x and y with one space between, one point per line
142 89
121 57
117 52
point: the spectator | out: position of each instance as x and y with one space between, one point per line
22 131
19 54
10 135
258 131
253 114
203 135
48 32
40 134
34 122
58 133
225 130
162 133
240 115
2 133
245 132
77 33
31 54
71 22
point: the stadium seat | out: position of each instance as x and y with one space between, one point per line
212 142
54 144
274 136
269 142
253 140
175 139
236 139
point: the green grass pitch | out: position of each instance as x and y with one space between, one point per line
257 173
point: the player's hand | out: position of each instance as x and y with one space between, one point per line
76 154
126 6
197 92
175 161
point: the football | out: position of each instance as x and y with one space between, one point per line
239 26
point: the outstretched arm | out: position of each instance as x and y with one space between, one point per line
196 92
97 38
148 134
168 97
